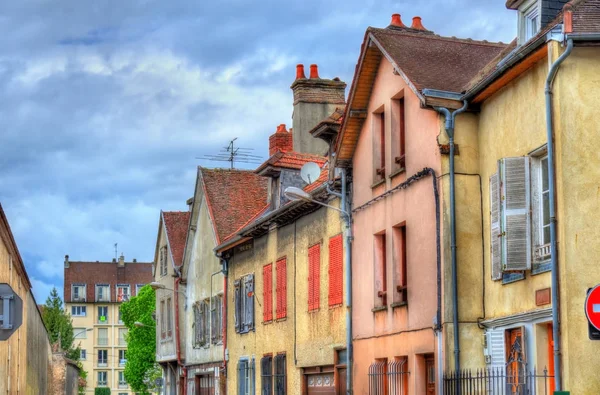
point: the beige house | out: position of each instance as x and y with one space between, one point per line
93 293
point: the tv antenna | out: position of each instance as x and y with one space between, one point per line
233 154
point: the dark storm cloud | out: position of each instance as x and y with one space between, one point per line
104 106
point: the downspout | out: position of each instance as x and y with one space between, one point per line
450 118
551 200
178 337
348 253
225 270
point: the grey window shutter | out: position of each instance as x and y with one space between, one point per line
495 343
213 320
515 218
495 240
252 377
250 301
201 334
242 367
238 305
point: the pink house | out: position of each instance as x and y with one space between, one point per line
391 141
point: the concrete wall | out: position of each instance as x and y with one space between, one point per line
203 263
307 339
65 375
402 331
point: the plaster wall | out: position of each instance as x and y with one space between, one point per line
307 338
403 330
305 117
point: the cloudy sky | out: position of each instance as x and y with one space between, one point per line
105 105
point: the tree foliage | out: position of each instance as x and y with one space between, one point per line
102 391
140 367
59 325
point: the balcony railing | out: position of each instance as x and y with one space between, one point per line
123 298
498 381
103 319
102 341
122 384
78 299
102 363
102 383
122 362
542 252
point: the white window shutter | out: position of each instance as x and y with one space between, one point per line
515 218
495 343
495 232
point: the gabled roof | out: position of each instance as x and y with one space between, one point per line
233 197
424 60
176 225
288 160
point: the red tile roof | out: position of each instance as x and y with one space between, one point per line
91 273
291 160
586 16
233 196
435 62
176 224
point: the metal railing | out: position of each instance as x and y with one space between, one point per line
497 381
388 378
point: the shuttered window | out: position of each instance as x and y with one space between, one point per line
169 318
515 214
314 277
336 271
280 375
246 378
266 375
281 290
244 304
216 319
199 334
495 232
268 293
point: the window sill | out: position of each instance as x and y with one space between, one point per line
379 308
267 322
509 278
378 183
397 172
398 304
281 319
541 267
313 311
335 306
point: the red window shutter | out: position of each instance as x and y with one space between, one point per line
336 271
314 277
281 288
268 292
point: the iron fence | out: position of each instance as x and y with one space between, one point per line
498 381
388 378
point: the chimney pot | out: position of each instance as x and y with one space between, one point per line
300 71
281 140
397 20
314 71
568 18
417 24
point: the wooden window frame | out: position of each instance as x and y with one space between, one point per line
400 258
380 269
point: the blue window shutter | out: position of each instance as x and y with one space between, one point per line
238 305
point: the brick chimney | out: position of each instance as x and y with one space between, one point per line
281 140
121 261
315 98
67 261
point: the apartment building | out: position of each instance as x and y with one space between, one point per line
93 293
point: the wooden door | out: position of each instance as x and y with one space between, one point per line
551 384
205 384
429 374
515 361
341 381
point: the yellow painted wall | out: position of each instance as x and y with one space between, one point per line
317 334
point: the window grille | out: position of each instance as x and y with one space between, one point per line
280 375
266 374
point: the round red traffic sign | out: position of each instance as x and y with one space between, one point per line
592 307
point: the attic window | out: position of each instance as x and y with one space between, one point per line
529 21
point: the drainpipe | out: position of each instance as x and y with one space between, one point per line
348 253
450 118
551 199
225 271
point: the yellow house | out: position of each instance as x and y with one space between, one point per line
544 84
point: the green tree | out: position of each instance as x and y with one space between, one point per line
141 366
59 325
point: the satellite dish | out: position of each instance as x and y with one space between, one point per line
310 172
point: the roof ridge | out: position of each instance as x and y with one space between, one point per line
469 41
224 169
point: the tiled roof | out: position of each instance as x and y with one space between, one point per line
291 160
176 224
435 62
91 273
322 178
586 16
234 196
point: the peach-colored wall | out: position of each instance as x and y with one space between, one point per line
405 330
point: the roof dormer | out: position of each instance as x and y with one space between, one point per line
534 15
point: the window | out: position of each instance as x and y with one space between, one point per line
163 261
122 334
314 277
102 336
380 270
268 293
280 375
78 293
244 304
122 382
378 371
398 133
78 311
336 271
120 316
531 21
540 196
122 357
80 333
102 293
510 217
400 274
216 319
266 375
246 383
102 379
102 357
379 145
169 318
103 314
200 327
163 326
82 354
123 293
138 287
281 288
